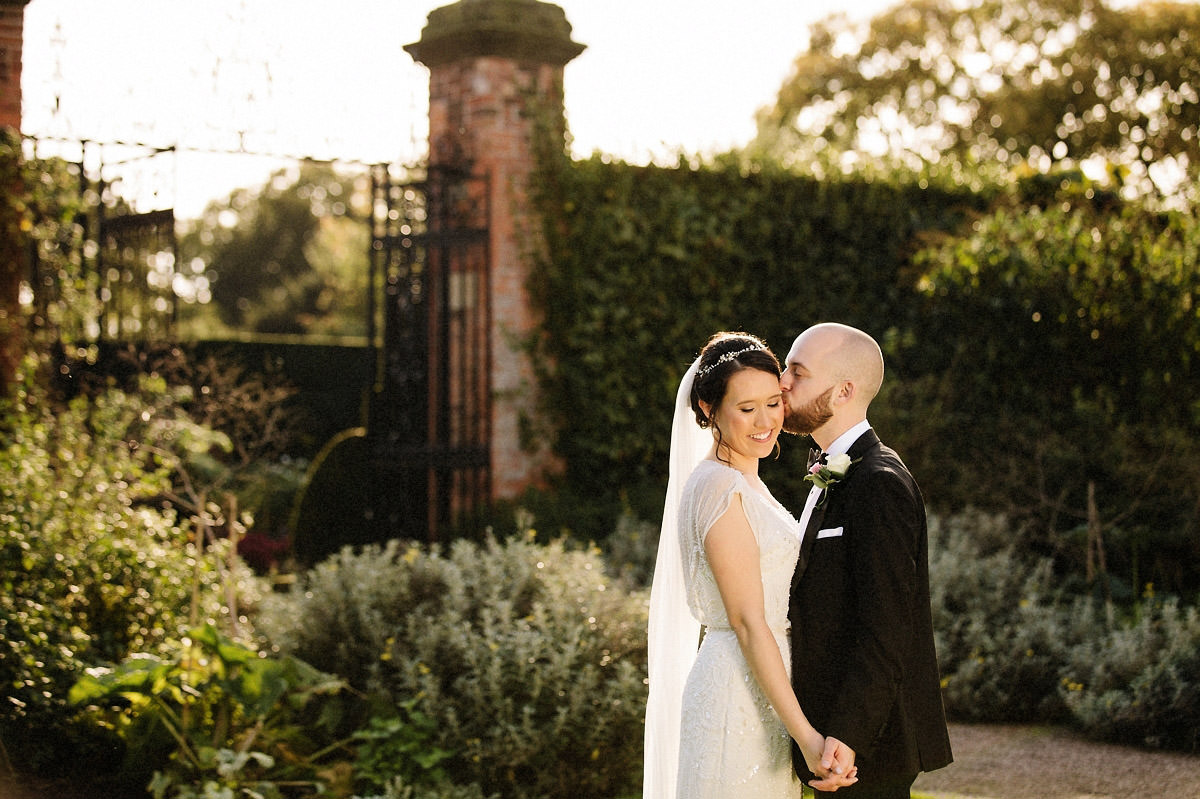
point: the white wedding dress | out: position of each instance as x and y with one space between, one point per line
733 745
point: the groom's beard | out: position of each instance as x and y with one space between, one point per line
808 417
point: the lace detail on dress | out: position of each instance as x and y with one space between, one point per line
733 743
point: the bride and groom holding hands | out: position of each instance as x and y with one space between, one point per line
816 656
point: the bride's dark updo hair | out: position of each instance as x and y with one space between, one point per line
722 357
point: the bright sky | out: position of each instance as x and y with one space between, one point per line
330 79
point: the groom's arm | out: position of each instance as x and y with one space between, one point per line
885 516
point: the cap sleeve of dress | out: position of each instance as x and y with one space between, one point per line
717 487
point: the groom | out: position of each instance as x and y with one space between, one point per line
863 661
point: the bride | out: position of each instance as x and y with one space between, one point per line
721 717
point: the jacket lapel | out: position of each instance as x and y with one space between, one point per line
857 450
806 543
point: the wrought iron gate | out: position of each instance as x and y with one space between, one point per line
429 422
135 266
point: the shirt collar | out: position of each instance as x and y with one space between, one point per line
843 442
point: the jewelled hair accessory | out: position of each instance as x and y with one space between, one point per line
726 358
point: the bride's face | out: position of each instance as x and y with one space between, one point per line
750 417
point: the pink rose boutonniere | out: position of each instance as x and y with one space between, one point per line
826 475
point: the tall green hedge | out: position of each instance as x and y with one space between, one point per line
1041 339
643 264
1062 346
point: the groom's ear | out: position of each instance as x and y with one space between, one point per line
846 392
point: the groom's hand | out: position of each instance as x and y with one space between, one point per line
837 757
837 769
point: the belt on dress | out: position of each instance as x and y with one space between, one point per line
725 628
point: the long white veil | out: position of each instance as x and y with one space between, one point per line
674 633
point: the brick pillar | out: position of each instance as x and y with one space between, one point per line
13 263
493 65
12 22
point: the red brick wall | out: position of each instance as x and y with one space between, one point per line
477 111
12 19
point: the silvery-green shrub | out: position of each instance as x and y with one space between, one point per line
528 657
1140 683
1003 633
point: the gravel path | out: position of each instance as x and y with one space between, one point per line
1031 762
990 762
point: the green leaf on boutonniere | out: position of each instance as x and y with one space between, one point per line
825 475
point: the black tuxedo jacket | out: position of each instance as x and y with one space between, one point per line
863 660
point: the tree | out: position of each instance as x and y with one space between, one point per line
290 257
1038 82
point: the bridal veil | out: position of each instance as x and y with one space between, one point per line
674 634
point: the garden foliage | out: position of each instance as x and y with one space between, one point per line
215 719
1139 681
1064 342
94 563
1003 629
527 659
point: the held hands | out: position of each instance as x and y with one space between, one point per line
834 766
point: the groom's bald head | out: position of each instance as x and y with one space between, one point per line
849 354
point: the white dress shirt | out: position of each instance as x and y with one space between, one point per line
840 445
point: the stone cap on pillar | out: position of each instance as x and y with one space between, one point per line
527 30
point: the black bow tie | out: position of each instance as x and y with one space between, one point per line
815 454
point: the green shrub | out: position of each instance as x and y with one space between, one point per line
523 654
1011 648
398 746
1140 683
94 564
631 550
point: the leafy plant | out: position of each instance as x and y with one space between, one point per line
400 746
399 789
1013 646
1140 682
1001 633
236 720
